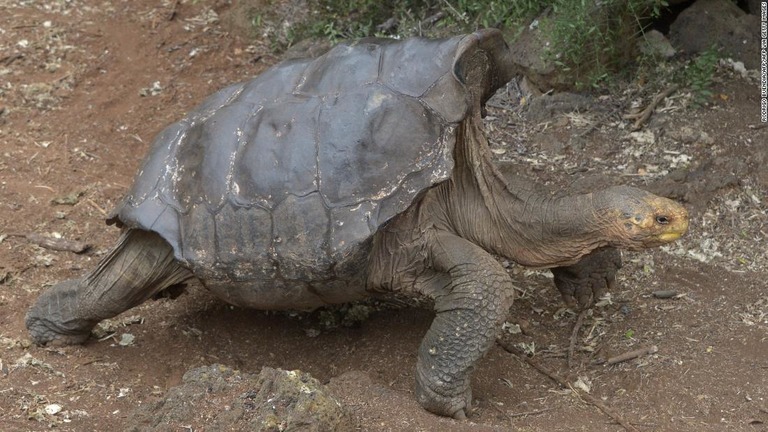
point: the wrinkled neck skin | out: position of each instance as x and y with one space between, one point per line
531 228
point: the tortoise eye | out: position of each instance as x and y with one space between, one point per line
662 220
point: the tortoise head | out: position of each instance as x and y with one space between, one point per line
483 63
638 219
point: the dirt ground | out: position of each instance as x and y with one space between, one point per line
85 86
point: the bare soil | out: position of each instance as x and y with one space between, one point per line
85 86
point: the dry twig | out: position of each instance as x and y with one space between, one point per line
171 14
96 206
632 354
604 118
563 383
520 414
575 335
57 244
529 413
645 114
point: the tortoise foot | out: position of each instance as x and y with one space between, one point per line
52 320
457 404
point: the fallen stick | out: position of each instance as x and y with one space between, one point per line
521 414
563 383
171 14
96 206
575 335
603 119
57 244
646 113
632 354
622 106
529 413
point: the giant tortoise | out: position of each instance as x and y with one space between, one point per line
363 171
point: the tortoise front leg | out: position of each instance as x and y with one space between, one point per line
138 267
582 284
472 296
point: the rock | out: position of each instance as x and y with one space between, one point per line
308 48
696 185
645 137
753 6
217 398
690 135
547 107
655 44
739 68
720 23
529 53
685 135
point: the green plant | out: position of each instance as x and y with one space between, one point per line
590 40
337 19
350 19
473 14
593 40
697 75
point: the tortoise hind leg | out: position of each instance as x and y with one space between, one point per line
141 265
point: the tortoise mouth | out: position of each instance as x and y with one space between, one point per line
670 236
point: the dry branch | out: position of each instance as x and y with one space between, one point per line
563 383
645 114
632 354
575 335
57 244
510 417
603 119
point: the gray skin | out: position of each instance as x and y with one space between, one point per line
364 171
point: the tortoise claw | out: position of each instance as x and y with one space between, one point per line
456 404
52 320
583 283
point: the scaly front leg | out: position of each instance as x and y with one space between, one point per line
472 295
583 283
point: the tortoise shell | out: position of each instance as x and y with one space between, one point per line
290 174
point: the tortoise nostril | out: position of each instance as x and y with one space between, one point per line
662 220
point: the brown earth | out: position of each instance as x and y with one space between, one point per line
78 111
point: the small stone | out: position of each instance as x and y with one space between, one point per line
52 409
511 328
154 90
643 137
126 339
686 135
583 384
656 44
664 294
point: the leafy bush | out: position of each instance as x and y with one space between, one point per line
697 75
590 39
595 39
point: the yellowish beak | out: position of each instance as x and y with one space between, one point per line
670 236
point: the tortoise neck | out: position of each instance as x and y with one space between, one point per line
513 219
